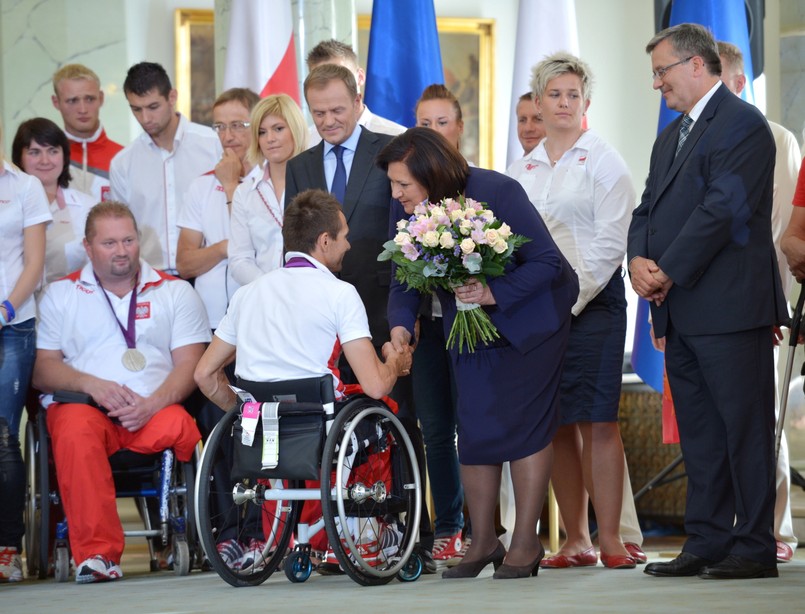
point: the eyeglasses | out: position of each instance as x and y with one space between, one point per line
233 127
663 70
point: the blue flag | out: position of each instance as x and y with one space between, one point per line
404 57
727 21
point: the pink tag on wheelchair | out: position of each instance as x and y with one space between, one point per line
250 414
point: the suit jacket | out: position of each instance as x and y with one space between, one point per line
535 295
705 218
366 207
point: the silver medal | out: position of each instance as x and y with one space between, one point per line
133 359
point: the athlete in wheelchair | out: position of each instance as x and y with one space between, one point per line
305 453
128 337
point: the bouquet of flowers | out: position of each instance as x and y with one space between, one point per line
444 244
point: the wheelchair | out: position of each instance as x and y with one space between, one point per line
146 477
368 487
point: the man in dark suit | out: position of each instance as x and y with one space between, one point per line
700 249
332 96
344 163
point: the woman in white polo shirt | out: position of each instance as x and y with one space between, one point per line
23 217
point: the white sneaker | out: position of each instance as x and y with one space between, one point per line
230 551
97 569
253 557
10 565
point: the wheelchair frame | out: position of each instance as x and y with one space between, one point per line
350 495
46 527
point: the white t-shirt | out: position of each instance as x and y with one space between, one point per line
64 250
255 241
23 203
586 201
290 323
205 211
153 183
76 319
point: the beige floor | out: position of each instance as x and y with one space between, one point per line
576 590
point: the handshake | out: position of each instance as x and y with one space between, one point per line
398 360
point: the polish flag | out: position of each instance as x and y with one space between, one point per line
261 54
543 27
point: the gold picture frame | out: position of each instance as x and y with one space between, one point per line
195 63
467 46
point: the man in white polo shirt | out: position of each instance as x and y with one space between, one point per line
127 337
152 174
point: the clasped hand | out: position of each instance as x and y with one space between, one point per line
648 280
475 292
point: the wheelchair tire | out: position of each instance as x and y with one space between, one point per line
33 502
411 570
380 507
181 556
298 566
216 505
61 564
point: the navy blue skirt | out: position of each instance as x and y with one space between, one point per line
591 378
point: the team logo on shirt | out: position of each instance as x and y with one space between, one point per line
106 193
143 311
530 167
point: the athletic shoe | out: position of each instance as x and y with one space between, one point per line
97 569
329 565
231 551
446 548
10 565
253 556
465 545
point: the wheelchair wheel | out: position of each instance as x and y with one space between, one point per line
61 564
235 511
34 504
298 566
38 516
183 517
371 493
181 556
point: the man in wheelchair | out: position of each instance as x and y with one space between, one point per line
294 322
127 337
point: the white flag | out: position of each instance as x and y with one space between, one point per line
260 52
543 27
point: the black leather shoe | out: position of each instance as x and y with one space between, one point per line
426 556
685 564
736 567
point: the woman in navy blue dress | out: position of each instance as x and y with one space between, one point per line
507 390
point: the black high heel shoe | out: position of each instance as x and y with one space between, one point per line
510 572
471 570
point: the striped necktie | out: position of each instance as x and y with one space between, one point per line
684 130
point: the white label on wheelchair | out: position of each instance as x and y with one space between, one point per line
271 435
249 417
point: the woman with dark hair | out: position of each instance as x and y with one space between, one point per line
23 216
41 149
507 389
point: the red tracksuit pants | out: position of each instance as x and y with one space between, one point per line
83 439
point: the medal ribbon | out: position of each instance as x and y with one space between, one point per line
297 262
129 332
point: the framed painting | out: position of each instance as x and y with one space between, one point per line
195 64
468 61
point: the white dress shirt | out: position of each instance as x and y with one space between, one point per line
255 231
153 183
586 201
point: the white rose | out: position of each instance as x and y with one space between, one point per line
446 240
456 214
492 236
401 224
467 246
401 238
500 246
437 212
430 238
465 227
505 231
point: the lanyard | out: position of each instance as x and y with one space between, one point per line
129 331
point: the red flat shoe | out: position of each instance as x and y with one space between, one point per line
784 552
636 552
617 561
588 558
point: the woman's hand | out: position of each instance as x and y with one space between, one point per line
475 292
